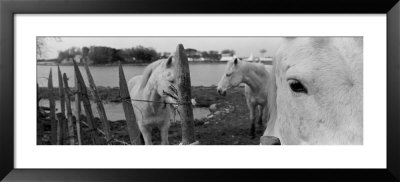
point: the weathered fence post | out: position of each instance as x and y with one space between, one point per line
184 90
61 90
52 110
60 119
38 94
86 104
39 123
77 111
69 111
99 104
60 128
133 129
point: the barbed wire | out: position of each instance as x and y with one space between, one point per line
173 93
128 99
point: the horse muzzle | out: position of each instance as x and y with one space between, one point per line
221 92
269 140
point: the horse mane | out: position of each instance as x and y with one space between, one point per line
148 71
258 68
272 105
320 42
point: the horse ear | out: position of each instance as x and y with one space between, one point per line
169 62
235 61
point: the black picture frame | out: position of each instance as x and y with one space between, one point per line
9 8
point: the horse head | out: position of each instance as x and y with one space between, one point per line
317 92
161 76
232 76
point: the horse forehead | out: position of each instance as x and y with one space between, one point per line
229 66
321 44
162 71
313 54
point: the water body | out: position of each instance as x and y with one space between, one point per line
201 74
115 111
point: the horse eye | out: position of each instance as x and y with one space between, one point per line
228 74
297 86
172 81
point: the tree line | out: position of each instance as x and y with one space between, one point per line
138 54
107 55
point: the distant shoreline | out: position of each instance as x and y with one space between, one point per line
129 64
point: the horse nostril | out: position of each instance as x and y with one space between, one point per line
221 92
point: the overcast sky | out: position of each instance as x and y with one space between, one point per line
244 46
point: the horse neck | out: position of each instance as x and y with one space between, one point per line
252 78
272 125
149 92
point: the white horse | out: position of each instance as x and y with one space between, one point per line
317 92
255 77
156 78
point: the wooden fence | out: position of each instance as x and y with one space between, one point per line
64 131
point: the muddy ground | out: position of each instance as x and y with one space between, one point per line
228 123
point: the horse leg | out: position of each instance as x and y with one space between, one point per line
164 132
253 120
266 114
260 116
146 132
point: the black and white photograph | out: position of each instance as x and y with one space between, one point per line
205 90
